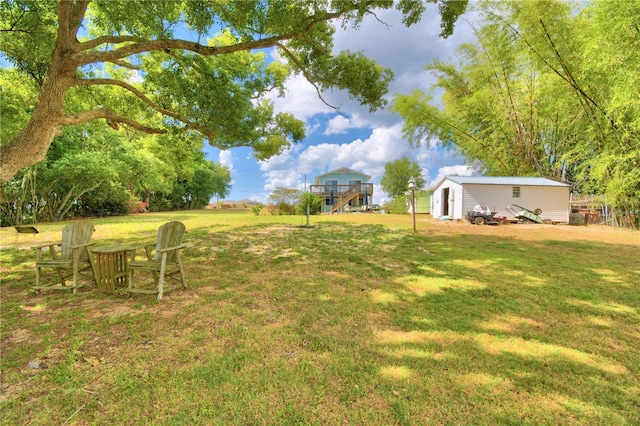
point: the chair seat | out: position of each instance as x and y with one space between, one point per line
146 264
142 290
56 263
58 286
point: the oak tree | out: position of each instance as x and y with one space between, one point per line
395 181
196 67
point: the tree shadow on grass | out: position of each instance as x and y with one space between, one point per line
545 327
352 322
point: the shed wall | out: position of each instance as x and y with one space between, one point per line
423 201
552 200
447 200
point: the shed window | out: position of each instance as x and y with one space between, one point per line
516 192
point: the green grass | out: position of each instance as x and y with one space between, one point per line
354 320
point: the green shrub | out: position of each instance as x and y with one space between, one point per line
398 205
256 209
309 199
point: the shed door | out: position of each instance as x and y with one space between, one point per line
444 199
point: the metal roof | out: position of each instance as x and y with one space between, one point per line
503 180
344 170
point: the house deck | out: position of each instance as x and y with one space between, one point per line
344 198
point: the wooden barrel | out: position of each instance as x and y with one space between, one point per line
577 219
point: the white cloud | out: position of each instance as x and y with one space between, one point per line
368 156
385 39
459 170
317 157
280 171
226 159
278 162
405 50
338 125
282 179
301 99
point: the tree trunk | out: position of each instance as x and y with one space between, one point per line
30 146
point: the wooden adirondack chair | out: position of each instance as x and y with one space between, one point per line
73 258
165 263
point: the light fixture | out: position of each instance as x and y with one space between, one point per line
412 187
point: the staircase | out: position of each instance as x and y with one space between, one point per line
344 199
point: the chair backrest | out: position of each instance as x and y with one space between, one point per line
74 234
170 235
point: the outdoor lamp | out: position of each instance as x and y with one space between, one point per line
412 183
412 187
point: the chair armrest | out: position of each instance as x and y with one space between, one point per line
135 248
147 249
82 245
181 246
41 246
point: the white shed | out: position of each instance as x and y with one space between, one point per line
455 195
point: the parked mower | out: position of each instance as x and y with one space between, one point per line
483 216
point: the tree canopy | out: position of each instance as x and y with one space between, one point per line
395 181
545 91
91 170
193 67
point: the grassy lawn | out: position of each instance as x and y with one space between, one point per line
353 320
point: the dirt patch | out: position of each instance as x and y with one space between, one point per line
539 232
20 336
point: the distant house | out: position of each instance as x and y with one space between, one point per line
455 195
343 190
423 201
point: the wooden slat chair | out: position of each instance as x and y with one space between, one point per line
73 258
165 263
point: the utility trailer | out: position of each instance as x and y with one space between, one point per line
524 214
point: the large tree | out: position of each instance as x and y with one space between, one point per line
205 84
544 91
501 103
395 181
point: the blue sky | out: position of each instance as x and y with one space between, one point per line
357 139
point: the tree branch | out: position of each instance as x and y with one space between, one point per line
88 57
140 45
63 23
513 112
582 95
571 80
65 205
485 147
77 12
127 65
306 75
109 82
316 20
112 120
15 22
93 43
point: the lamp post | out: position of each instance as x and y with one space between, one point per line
412 187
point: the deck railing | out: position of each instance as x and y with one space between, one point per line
343 196
325 190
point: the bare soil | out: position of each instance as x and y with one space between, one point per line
540 232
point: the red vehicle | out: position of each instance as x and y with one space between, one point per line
485 217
